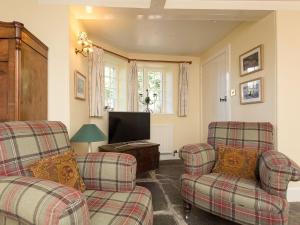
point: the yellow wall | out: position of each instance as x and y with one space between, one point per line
288 79
50 24
79 109
245 37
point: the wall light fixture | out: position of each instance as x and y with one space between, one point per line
86 44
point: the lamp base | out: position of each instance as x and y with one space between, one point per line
90 147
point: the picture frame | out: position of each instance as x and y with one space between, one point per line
79 85
251 91
251 61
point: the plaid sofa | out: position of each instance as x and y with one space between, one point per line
240 200
111 196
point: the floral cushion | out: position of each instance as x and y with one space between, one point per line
61 168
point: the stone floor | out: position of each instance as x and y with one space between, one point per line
167 203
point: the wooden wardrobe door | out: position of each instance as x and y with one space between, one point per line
4 80
3 91
33 96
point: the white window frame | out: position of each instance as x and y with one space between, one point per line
145 70
115 67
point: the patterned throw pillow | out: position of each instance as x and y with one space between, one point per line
59 168
239 162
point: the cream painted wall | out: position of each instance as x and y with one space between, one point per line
243 38
288 79
50 24
79 109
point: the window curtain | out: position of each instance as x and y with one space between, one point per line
96 82
132 88
183 90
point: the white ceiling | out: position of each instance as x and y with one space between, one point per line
168 26
178 32
102 3
188 4
234 4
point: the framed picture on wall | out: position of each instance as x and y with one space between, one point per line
251 61
80 86
251 91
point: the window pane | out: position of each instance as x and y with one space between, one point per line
160 85
110 80
155 88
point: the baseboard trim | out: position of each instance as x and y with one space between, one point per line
168 156
293 194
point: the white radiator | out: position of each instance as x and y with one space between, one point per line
163 134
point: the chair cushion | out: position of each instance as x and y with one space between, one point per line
216 190
61 168
239 162
118 208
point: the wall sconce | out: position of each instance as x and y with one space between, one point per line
86 44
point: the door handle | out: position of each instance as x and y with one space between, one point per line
223 99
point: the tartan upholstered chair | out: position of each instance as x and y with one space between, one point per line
111 196
240 200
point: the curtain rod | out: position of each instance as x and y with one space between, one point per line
140 60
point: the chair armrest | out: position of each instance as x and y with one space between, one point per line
199 159
107 171
34 201
275 171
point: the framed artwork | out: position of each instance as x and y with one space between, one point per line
80 86
251 91
251 61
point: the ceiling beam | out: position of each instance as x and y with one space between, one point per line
102 3
233 4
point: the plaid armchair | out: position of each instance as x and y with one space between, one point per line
111 196
240 200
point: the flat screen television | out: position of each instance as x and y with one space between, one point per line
128 126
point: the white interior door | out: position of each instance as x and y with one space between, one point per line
215 98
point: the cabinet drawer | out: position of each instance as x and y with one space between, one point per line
3 50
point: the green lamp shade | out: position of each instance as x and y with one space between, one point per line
89 133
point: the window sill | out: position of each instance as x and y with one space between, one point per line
163 114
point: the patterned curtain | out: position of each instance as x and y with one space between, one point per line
183 90
96 82
132 87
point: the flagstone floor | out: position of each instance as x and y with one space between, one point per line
167 203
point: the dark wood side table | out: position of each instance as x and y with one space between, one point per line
146 154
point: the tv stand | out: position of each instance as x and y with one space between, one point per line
146 153
131 144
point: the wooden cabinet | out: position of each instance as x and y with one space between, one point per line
146 154
23 74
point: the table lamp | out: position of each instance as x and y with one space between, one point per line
89 133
